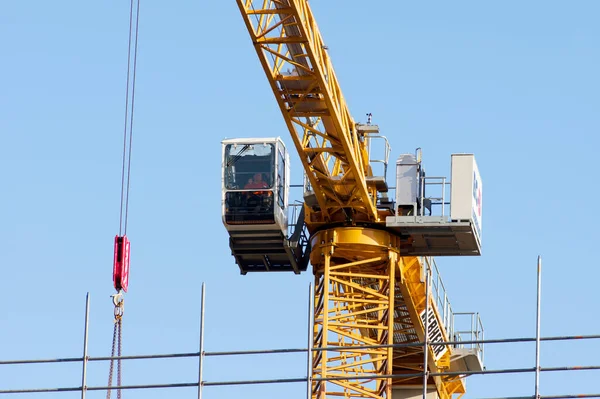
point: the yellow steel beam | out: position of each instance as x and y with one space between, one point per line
295 60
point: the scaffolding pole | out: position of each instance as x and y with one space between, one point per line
537 328
85 346
201 346
426 337
309 357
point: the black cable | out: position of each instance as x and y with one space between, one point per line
126 115
137 24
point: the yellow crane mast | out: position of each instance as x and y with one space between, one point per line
370 291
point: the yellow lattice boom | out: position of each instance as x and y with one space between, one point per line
299 70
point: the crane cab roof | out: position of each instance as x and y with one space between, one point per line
253 140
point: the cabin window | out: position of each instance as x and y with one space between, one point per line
249 166
281 180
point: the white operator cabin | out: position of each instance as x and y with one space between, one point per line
254 206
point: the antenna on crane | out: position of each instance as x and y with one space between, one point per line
369 118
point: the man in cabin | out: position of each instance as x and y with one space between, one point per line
255 199
256 182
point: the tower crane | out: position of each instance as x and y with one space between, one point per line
371 255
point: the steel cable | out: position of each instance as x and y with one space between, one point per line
129 111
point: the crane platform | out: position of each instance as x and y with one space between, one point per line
435 236
265 251
421 210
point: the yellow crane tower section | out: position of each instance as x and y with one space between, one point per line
368 296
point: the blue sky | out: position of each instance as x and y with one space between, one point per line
515 83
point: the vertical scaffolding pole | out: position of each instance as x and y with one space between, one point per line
201 351
85 346
310 343
537 333
426 341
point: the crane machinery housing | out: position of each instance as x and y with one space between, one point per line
371 254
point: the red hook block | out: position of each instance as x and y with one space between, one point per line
121 263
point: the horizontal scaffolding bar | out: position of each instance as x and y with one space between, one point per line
102 388
39 390
458 373
294 350
255 352
60 360
155 386
137 357
254 382
483 341
304 379
585 395
521 370
103 358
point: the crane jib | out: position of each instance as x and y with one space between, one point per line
331 149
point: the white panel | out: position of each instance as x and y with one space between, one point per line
466 190
477 198
461 187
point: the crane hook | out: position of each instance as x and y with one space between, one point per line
117 300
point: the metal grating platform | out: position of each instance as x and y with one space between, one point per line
434 236
266 251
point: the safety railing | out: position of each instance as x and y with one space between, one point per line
294 210
434 204
298 233
374 156
439 295
459 326
468 330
